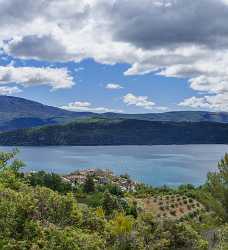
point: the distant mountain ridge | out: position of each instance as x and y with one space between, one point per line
18 113
176 116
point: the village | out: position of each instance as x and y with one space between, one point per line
102 177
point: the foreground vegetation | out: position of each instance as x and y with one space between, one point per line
41 211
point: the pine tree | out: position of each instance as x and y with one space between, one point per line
89 185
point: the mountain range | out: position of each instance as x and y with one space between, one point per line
25 122
17 113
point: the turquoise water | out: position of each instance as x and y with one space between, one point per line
156 165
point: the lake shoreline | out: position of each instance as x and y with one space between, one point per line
153 165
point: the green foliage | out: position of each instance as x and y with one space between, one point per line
9 170
89 185
217 184
40 211
9 162
94 199
52 181
122 235
110 203
223 238
168 234
114 189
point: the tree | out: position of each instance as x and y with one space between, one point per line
115 189
8 161
223 238
123 237
9 170
52 181
217 184
89 185
110 203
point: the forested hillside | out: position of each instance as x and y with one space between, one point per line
99 131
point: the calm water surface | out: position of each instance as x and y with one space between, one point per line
156 165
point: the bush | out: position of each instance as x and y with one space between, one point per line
52 181
89 185
173 212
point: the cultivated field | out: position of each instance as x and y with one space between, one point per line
172 206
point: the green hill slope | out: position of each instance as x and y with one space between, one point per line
119 132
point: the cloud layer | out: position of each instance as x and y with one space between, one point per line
173 38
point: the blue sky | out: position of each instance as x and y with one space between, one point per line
90 81
116 56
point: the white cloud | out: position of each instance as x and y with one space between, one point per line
31 76
139 101
113 86
87 107
215 102
171 37
142 102
4 90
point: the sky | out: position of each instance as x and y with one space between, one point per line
116 55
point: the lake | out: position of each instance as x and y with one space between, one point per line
155 165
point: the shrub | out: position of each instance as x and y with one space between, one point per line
172 205
189 207
173 212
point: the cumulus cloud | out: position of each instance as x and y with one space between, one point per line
87 107
215 102
173 38
45 47
149 24
142 102
4 90
31 76
139 101
113 86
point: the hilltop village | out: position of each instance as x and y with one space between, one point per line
102 177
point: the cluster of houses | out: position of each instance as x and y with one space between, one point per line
102 177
